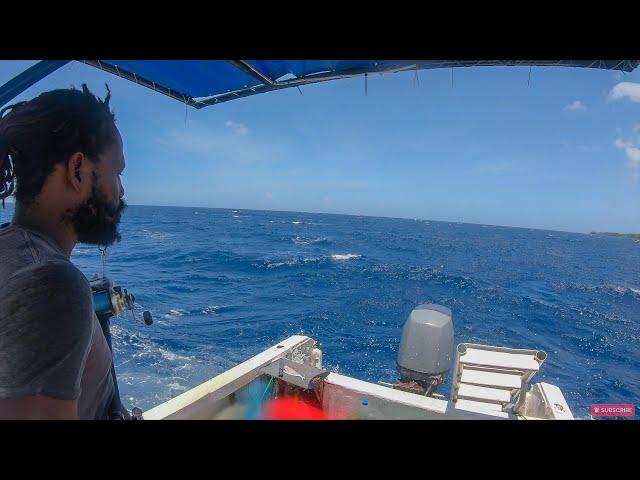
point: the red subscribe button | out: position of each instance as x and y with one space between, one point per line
613 410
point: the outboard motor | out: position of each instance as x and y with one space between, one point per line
424 357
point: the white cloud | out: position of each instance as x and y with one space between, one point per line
268 195
632 151
576 106
626 89
237 128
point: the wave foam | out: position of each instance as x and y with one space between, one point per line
348 256
314 241
157 235
211 309
295 261
175 313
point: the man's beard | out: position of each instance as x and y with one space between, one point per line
96 221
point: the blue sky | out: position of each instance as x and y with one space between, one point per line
562 153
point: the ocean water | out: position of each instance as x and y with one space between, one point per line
225 284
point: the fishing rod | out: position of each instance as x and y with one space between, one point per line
110 300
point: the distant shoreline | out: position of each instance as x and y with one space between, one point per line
635 236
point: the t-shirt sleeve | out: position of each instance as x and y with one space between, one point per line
46 326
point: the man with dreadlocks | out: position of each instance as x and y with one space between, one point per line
61 155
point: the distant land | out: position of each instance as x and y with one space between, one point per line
611 234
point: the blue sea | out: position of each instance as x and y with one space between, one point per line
225 284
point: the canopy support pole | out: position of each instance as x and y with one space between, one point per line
245 67
29 77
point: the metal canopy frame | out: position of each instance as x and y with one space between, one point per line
31 75
269 84
37 72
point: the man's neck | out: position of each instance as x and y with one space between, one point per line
49 223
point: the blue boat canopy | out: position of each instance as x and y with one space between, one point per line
201 83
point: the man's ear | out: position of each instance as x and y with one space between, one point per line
76 171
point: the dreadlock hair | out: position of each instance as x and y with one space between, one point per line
37 135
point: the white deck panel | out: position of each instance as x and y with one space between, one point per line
343 397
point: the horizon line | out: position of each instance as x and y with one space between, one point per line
368 216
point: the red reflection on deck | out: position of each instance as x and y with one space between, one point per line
291 409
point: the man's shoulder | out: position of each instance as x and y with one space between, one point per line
55 275
26 253
50 303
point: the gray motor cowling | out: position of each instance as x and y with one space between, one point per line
426 345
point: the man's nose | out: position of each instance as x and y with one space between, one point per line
121 190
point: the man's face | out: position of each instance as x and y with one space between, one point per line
96 220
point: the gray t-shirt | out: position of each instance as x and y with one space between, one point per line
51 342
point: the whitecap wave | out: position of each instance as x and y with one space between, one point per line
295 261
175 313
347 256
157 235
211 309
338 257
167 355
314 241
606 288
618 289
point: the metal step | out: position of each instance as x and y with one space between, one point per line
484 394
516 361
480 407
490 379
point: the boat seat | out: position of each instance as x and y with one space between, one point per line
488 378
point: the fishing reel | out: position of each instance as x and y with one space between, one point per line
110 300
